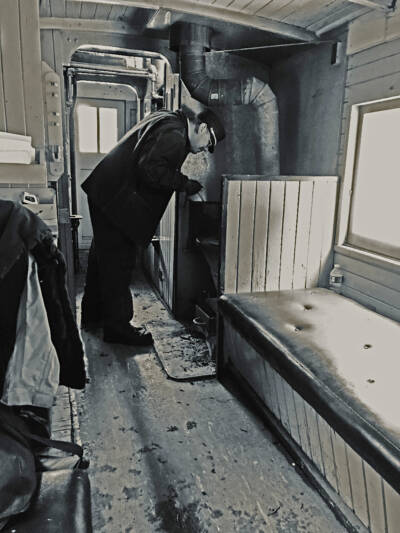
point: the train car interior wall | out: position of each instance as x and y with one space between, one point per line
267 399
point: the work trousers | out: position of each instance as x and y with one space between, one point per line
107 297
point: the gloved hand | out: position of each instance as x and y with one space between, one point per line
192 187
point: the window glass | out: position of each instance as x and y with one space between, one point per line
108 128
87 128
375 214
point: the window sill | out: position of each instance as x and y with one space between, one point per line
392 265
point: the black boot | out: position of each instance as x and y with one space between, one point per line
127 335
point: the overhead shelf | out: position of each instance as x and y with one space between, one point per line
16 149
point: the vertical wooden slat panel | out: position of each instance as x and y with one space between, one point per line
117 12
12 66
232 235
231 346
274 379
170 245
45 8
270 395
246 232
275 235
47 47
314 247
315 443
289 234
167 235
282 402
375 499
88 11
302 423
167 243
172 249
57 8
325 434
164 279
342 469
32 81
3 119
291 409
73 9
241 355
160 281
392 501
103 11
327 231
358 488
260 235
253 363
227 333
302 235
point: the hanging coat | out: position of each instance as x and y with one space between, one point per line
22 231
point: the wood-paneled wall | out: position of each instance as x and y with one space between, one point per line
372 74
276 232
21 101
373 28
363 490
167 248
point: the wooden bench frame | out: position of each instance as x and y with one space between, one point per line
360 476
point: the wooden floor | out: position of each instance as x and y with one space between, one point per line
188 457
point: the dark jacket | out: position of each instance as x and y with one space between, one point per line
133 184
21 232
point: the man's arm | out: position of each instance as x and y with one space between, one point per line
161 157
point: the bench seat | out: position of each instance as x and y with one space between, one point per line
340 357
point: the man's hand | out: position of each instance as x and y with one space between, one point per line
192 187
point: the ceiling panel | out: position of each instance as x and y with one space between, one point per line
240 5
278 20
255 6
345 13
304 12
272 9
292 8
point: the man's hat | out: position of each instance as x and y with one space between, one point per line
217 131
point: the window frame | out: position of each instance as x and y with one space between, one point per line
98 128
346 241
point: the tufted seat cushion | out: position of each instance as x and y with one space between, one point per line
342 358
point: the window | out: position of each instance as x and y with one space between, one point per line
108 131
97 128
87 128
374 222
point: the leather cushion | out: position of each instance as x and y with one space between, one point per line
341 357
